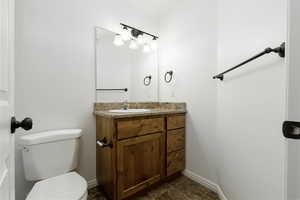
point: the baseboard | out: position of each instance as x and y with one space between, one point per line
221 194
92 183
205 182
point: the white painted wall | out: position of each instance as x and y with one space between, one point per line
293 108
246 155
251 100
188 46
55 67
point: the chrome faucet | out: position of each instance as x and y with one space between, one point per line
125 105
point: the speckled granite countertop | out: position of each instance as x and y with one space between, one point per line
152 112
102 109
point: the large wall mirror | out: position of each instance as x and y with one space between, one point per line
124 73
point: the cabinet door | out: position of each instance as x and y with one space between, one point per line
140 162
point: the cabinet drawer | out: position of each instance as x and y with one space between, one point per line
138 127
176 121
175 162
175 140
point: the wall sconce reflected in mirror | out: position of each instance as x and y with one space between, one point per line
147 80
169 76
118 41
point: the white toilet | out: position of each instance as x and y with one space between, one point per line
48 158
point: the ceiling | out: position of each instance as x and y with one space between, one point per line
154 8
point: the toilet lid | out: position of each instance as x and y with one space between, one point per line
69 186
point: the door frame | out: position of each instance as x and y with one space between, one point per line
11 87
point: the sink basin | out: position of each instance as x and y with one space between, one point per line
129 111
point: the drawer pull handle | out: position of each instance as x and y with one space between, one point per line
103 143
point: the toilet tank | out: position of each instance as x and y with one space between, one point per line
50 153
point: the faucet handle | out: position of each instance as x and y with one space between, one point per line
125 105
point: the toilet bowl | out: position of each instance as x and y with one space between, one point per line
70 186
49 157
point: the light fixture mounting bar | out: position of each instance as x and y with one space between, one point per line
127 26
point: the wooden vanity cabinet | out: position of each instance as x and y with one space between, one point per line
144 151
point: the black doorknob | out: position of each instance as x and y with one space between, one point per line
26 124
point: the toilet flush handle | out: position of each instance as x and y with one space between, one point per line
103 143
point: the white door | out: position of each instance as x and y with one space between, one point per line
293 112
6 99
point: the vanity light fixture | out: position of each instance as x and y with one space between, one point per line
133 44
147 48
137 37
141 39
126 35
118 41
153 44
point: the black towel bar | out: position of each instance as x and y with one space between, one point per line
122 89
279 50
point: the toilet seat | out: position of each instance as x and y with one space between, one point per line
70 186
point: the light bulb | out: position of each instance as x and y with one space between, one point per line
153 44
126 35
147 48
118 41
133 44
141 39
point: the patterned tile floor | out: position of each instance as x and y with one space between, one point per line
181 188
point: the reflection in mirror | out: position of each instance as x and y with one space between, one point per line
119 67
